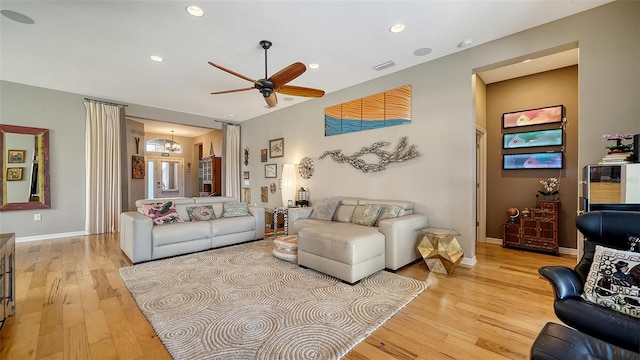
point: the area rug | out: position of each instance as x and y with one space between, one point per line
240 302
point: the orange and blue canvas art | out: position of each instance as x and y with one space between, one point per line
380 110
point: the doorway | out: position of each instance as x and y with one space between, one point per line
165 177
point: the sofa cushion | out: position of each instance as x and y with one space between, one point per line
366 214
344 213
324 209
201 213
233 225
161 213
234 209
179 233
388 212
613 280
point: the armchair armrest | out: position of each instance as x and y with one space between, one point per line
258 215
565 281
401 239
135 236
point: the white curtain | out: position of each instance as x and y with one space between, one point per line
231 160
102 156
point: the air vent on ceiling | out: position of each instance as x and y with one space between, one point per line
384 65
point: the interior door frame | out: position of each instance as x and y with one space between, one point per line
481 184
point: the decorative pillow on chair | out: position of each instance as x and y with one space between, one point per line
366 214
201 213
324 209
634 243
614 280
235 209
388 212
161 213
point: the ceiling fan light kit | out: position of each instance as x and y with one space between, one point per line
277 83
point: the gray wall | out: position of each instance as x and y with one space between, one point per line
442 180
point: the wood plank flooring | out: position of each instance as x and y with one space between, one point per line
72 304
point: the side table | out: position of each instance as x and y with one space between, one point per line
440 249
285 214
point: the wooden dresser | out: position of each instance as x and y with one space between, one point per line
539 231
7 276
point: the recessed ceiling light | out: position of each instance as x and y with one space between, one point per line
422 51
194 11
231 115
314 66
17 17
396 28
156 58
465 43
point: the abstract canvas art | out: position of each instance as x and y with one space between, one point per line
532 139
548 160
547 115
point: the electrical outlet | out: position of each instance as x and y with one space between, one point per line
37 217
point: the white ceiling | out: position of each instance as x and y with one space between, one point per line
101 49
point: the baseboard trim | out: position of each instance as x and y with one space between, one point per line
469 261
561 250
49 236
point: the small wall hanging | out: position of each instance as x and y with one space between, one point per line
402 153
306 168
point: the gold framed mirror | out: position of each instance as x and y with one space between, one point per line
25 168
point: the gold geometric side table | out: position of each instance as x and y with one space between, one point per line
440 249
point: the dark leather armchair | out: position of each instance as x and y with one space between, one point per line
606 228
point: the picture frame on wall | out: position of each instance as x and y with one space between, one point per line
15 156
545 115
245 175
14 173
263 155
246 195
271 171
545 160
527 139
264 194
276 148
137 167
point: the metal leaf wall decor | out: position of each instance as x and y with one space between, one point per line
402 153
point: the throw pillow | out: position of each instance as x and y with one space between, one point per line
324 209
614 280
366 214
388 212
161 213
235 209
634 243
201 213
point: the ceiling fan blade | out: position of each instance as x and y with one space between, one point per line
300 91
287 74
272 100
232 72
231 91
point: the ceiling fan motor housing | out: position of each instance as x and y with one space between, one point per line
265 88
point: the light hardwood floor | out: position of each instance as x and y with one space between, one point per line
72 304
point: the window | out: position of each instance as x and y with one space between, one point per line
163 145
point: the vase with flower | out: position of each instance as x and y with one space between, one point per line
550 188
618 147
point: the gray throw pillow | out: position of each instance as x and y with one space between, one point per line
388 212
324 209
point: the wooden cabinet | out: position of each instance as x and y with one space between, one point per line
7 277
211 168
539 231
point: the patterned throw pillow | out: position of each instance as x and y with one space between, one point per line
235 209
388 212
324 209
634 243
161 213
614 280
366 214
201 213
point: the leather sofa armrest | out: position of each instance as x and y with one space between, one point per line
258 214
135 236
295 214
401 239
565 281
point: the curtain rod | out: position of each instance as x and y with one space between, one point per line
106 102
226 122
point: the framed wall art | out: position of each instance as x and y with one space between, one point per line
546 160
546 115
16 156
246 195
263 155
14 173
137 167
276 148
264 194
245 175
271 171
532 139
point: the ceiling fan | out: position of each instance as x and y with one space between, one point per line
268 87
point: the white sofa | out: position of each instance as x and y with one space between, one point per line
351 251
141 241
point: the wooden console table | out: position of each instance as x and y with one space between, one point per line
539 231
7 276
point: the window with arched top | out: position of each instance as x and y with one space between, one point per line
163 145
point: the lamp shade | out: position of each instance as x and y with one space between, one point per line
288 184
